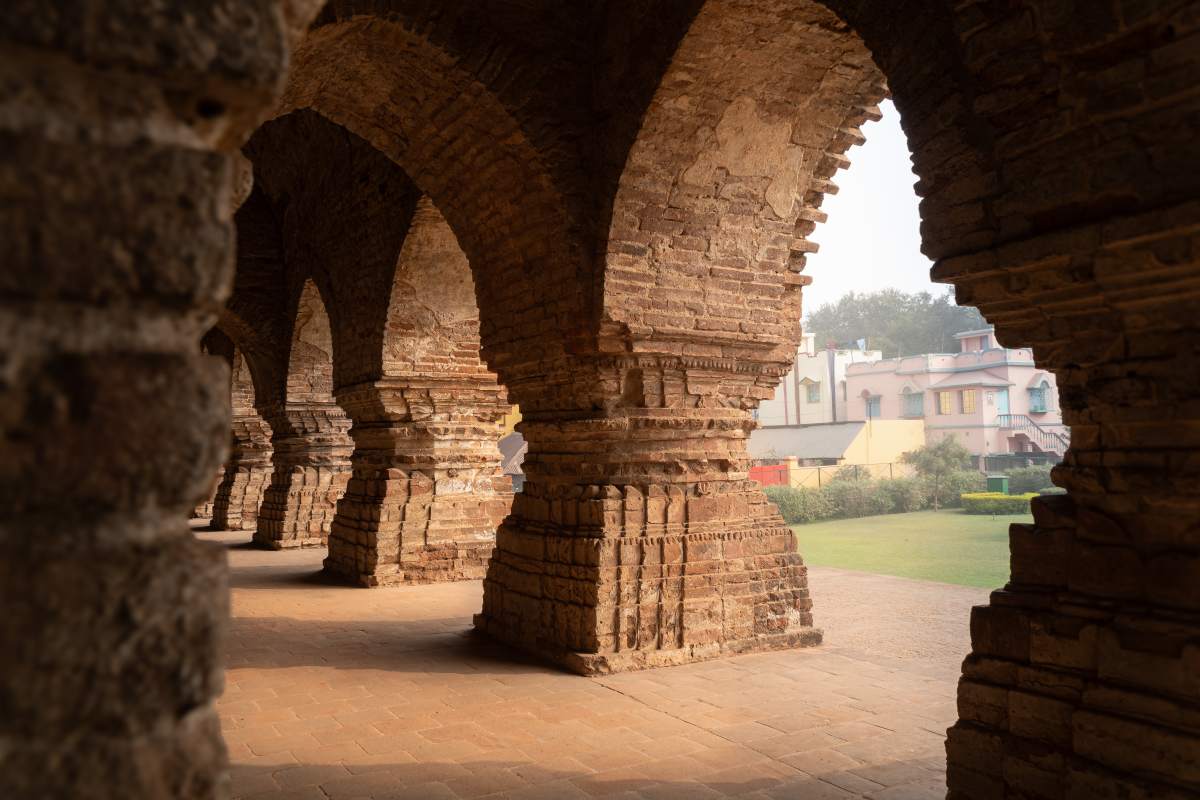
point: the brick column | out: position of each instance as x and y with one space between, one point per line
1083 675
205 509
247 475
248 470
311 465
638 539
427 493
117 255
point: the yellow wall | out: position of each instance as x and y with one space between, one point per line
510 420
883 441
877 450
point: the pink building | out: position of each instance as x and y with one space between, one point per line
994 400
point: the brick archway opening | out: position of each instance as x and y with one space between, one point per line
310 437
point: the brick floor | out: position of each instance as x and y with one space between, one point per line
335 693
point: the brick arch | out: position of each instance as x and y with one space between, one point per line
247 470
431 312
215 344
427 491
310 356
342 211
255 317
260 356
309 433
473 155
1056 159
722 185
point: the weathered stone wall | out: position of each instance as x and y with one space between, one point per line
427 491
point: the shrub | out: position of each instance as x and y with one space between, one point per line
799 505
851 472
936 462
856 498
1028 479
996 502
1052 490
906 494
946 491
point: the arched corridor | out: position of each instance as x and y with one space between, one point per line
403 217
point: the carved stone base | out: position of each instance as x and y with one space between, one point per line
395 530
239 498
694 576
299 506
427 493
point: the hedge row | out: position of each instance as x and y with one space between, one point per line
844 497
996 502
1024 480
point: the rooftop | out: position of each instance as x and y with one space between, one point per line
828 440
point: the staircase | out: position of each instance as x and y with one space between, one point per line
1046 440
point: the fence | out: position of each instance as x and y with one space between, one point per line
791 474
1002 462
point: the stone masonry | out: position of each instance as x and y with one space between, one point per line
634 185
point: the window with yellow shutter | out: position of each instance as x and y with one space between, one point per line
945 403
970 400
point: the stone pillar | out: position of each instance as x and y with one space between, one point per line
246 477
427 492
248 470
310 468
117 255
205 509
1084 674
639 539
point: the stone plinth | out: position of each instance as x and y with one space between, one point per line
426 493
639 541
311 468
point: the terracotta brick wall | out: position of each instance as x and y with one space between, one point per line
607 172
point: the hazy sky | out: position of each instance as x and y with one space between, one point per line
872 239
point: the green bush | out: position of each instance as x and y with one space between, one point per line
906 494
948 490
1028 479
996 502
852 472
862 498
799 505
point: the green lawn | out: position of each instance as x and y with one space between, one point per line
947 546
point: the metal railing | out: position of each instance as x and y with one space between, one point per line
1050 441
814 477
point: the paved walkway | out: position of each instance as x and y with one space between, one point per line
335 693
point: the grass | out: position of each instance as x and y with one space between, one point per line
947 546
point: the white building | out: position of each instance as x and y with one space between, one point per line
814 390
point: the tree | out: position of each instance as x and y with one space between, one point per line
938 460
898 323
